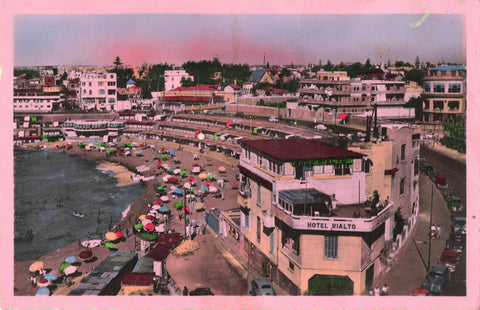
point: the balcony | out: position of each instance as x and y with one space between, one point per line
268 219
341 219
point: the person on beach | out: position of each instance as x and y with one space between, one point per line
385 289
33 280
185 291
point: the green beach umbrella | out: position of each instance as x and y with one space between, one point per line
164 157
147 236
178 205
161 188
80 144
183 172
138 226
110 151
63 265
128 144
254 131
102 144
215 136
211 176
109 245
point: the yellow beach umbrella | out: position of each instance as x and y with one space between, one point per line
142 217
36 266
202 176
111 236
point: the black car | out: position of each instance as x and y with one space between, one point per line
201 291
456 242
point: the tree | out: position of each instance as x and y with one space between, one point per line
456 137
328 66
399 223
415 75
117 62
187 82
417 62
415 103
367 64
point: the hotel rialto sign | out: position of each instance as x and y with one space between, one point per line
321 162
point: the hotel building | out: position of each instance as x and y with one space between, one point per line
305 217
444 93
98 91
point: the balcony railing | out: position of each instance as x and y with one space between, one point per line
332 223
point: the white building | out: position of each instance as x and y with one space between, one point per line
98 91
35 100
173 78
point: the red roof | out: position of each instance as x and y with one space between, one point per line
140 279
164 243
234 86
275 90
198 87
192 98
132 122
298 149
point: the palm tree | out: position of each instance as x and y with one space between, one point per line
117 62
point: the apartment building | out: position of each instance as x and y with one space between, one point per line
306 219
444 93
173 78
98 91
335 91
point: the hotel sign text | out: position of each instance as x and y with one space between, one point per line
322 162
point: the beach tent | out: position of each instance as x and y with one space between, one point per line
196 170
149 227
173 180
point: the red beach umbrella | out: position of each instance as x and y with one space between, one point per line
162 150
159 164
187 208
198 132
149 226
191 179
150 217
142 145
86 254
208 183
173 180
156 202
195 165
229 124
119 152
119 234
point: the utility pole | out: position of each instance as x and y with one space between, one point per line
430 231
185 212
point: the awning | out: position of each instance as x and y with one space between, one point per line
391 171
342 116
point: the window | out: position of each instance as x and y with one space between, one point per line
90 92
402 186
101 83
426 105
247 221
426 87
331 245
89 83
271 243
342 169
438 88
454 88
291 265
111 91
101 91
259 229
437 104
403 147
454 105
259 194
416 166
111 83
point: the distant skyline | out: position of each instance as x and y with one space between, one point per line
283 39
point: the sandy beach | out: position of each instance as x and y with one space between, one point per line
123 166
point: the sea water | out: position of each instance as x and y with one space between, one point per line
50 188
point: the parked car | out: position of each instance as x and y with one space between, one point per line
436 279
261 286
449 258
201 291
459 223
420 292
456 242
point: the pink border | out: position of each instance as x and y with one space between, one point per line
8 8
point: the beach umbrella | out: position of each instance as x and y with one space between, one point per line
201 136
183 172
208 183
221 169
94 141
191 179
43 291
147 236
176 171
229 124
111 236
196 170
178 205
138 226
149 227
234 185
161 188
202 176
145 222
186 208
159 164
50 277
187 185
195 165
109 245
127 144
71 259
166 177
164 209
102 144
150 217
119 152
142 145
36 266
63 265
70 270
164 198
204 188
85 254
87 148
172 152
119 234
198 132
164 157
136 152
81 144
156 207
178 192
110 151
142 217
170 170
211 176
157 202
173 180
215 136
213 189
162 150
